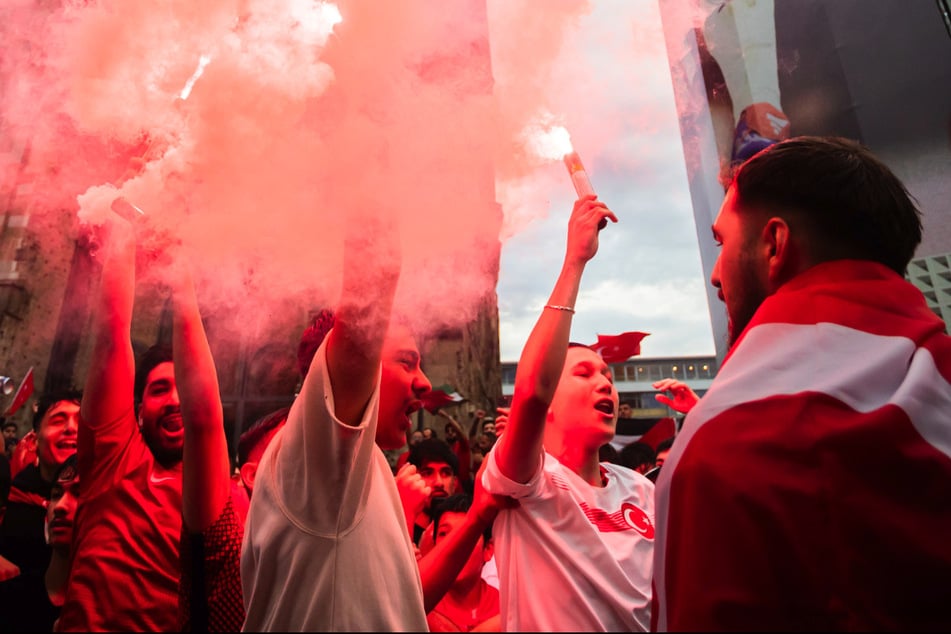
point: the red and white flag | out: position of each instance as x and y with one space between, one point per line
829 423
23 392
441 396
619 348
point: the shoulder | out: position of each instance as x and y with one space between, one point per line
630 482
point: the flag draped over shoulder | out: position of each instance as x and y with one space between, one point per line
619 348
816 470
441 396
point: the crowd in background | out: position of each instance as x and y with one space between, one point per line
813 473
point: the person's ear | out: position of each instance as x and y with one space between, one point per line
248 472
781 251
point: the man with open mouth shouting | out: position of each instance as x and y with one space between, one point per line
576 555
129 519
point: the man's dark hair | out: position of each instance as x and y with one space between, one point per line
9 423
433 450
636 454
456 503
665 445
154 356
311 339
608 453
254 434
49 400
847 201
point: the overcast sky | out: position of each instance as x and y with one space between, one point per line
647 274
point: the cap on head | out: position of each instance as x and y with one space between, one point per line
433 450
67 471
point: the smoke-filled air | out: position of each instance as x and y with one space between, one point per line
253 131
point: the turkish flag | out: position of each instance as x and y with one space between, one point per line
663 429
619 348
439 397
23 393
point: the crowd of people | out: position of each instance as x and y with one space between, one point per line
808 488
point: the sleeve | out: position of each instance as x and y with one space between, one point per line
107 452
496 483
321 466
209 595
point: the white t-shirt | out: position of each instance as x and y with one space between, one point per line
574 557
326 546
490 573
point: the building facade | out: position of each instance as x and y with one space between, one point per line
634 379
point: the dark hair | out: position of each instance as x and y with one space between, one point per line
665 445
608 453
636 454
150 359
254 434
311 339
491 435
456 503
433 450
848 202
47 401
10 423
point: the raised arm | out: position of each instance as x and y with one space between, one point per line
475 425
465 447
460 432
371 273
206 481
542 360
440 567
108 393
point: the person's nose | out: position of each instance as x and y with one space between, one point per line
715 275
173 398
421 383
59 509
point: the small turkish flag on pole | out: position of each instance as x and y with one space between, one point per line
23 392
619 348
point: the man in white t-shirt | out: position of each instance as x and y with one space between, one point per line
576 555
326 546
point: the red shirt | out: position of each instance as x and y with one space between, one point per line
125 558
448 617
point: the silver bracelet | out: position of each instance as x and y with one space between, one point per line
567 309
